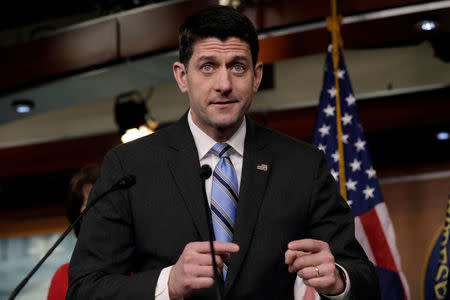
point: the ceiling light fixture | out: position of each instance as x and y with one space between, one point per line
23 106
427 25
442 136
132 116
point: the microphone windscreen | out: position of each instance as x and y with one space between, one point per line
205 172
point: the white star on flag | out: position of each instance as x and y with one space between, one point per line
345 138
360 144
341 74
371 172
351 185
335 174
350 100
332 92
330 47
347 119
335 156
322 147
324 130
329 111
368 192
356 165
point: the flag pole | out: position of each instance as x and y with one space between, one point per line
333 25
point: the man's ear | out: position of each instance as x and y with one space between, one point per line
258 76
179 72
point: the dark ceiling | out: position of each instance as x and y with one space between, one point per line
13 15
30 44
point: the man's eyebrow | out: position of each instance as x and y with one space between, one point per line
241 58
207 58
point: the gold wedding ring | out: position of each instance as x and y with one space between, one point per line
317 271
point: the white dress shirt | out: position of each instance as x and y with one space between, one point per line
204 143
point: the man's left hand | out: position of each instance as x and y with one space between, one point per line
313 261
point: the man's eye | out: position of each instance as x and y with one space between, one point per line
206 68
238 68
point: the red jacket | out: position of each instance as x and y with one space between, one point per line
60 283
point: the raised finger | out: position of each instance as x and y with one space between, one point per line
308 245
225 247
219 247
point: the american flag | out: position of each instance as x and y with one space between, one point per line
373 226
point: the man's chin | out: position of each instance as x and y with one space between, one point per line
227 124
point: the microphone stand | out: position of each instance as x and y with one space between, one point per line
205 173
124 182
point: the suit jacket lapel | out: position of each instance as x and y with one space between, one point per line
185 168
255 172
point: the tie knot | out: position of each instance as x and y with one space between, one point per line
221 149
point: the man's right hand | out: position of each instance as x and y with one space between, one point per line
193 269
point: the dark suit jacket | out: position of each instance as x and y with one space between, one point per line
145 228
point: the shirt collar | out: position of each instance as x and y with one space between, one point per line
204 142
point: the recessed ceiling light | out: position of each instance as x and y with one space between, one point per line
442 136
23 106
427 25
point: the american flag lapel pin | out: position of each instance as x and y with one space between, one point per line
262 167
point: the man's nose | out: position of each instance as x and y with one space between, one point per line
223 81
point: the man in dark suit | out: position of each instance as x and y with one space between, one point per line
289 223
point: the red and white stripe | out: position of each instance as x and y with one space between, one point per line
380 245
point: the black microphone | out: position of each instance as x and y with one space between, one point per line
205 173
124 182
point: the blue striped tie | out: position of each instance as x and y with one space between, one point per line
224 196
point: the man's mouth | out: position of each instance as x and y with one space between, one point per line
224 102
